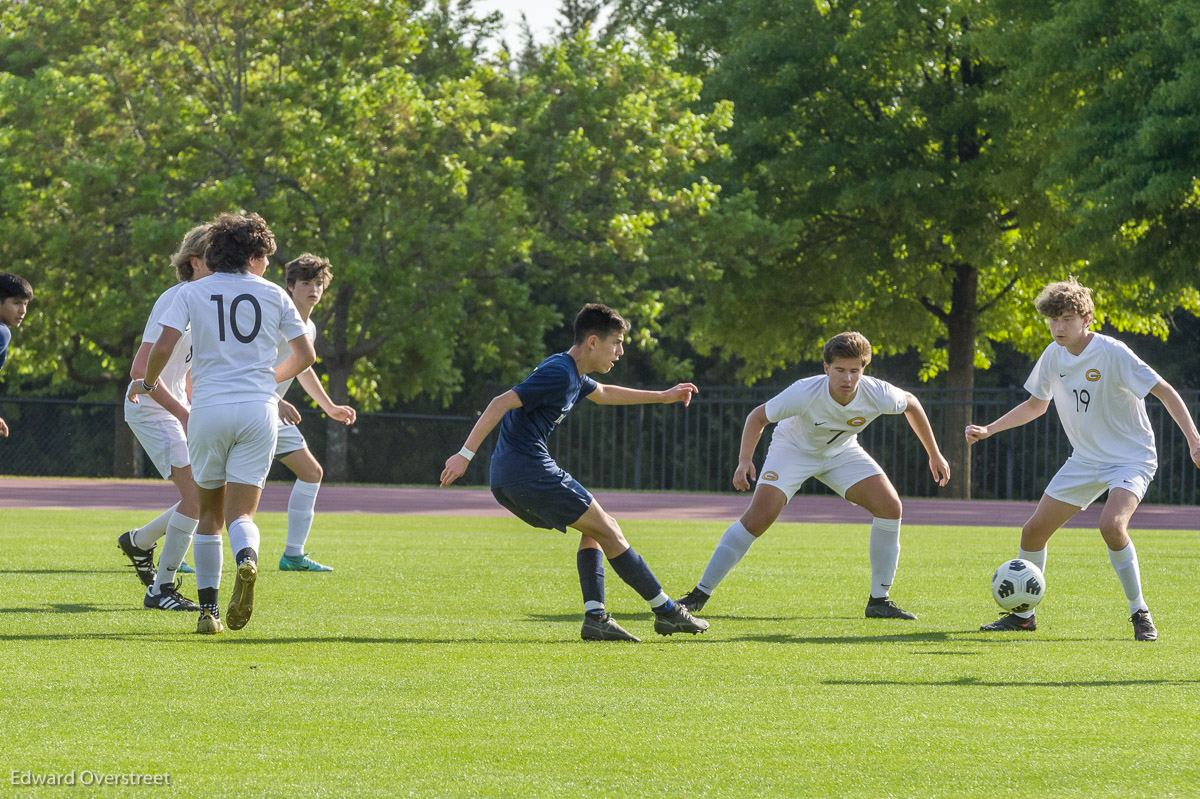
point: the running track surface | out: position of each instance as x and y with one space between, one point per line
20 492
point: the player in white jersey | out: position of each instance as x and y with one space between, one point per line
1098 387
160 426
236 317
307 278
819 419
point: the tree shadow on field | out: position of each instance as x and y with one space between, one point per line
58 607
972 682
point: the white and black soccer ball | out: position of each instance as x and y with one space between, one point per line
1018 585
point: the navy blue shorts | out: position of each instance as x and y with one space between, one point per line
552 502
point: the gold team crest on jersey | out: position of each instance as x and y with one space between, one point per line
1092 375
771 476
857 421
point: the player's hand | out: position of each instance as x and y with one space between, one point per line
940 468
744 475
680 393
183 420
1195 450
288 413
135 388
343 413
977 432
456 465
3 429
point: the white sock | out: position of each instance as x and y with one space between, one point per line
1125 563
1037 558
209 554
243 533
302 503
175 547
145 536
732 547
885 555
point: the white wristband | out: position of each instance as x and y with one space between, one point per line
466 453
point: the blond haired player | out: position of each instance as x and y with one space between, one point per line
1098 387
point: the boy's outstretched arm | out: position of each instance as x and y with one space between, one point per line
1169 397
919 422
620 395
457 463
312 384
756 422
1024 413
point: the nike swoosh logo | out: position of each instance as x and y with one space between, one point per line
1062 375
818 424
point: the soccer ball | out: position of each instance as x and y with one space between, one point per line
1018 585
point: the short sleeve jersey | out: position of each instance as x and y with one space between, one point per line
5 337
236 320
812 421
547 396
1100 398
174 374
284 352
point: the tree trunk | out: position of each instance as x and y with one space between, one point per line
962 324
337 435
127 455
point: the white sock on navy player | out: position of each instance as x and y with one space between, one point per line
590 563
631 568
244 540
178 539
732 547
145 536
885 555
302 503
1125 563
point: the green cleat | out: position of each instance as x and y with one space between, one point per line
184 568
241 603
301 563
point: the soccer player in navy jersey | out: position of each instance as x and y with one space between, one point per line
527 481
15 294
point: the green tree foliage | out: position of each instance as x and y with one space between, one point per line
467 209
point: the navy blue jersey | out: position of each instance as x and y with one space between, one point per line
547 396
5 337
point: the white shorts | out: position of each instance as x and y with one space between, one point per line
1079 483
290 440
787 467
160 434
232 443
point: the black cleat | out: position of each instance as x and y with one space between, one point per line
1010 622
678 620
884 608
142 559
1143 626
168 598
694 601
603 627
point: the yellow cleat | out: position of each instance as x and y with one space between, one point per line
241 602
209 623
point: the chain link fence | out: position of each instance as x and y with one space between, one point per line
635 447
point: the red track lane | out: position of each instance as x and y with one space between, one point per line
20 492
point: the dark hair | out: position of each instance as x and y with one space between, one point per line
235 240
14 286
596 319
847 345
308 267
194 244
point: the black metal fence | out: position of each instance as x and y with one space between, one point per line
638 447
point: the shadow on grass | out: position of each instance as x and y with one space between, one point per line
783 638
63 571
976 682
71 608
646 615
233 638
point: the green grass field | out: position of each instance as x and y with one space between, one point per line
443 658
